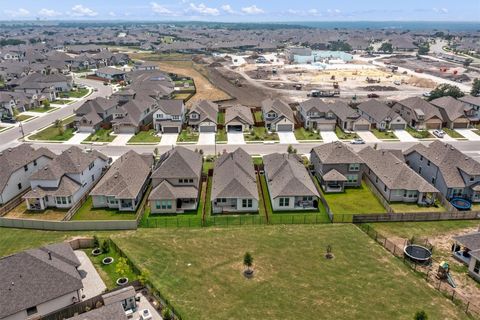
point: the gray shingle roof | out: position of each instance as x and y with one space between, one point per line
471 241
336 152
451 107
179 162
206 109
243 113
334 175
280 107
417 103
165 190
110 312
377 110
316 105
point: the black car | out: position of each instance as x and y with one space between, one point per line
8 120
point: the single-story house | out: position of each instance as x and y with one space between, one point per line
467 251
349 119
238 118
111 74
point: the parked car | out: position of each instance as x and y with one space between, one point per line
426 94
8 120
373 95
439 133
397 83
357 141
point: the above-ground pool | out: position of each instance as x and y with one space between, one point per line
417 253
461 204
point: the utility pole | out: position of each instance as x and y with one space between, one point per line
21 130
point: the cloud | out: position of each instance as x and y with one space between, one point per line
112 14
227 8
333 11
17 13
204 10
441 10
159 9
81 11
49 13
252 10
313 12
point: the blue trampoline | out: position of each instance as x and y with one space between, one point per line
461 204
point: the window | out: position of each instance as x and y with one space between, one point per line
284 202
91 165
354 167
421 158
476 268
163 204
309 198
190 180
472 178
19 186
419 170
93 178
25 167
221 200
385 188
352 178
433 180
31 311
428 163
35 162
376 179
247 203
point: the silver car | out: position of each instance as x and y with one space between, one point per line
439 133
357 141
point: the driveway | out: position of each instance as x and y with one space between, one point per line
404 136
121 139
169 139
367 136
92 283
235 137
446 137
329 136
78 138
469 134
287 137
206 138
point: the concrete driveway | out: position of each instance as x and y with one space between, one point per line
287 137
446 137
469 134
78 138
404 136
206 138
92 283
235 137
328 136
367 136
169 139
121 139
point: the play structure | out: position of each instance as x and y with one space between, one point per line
461 204
443 273
417 253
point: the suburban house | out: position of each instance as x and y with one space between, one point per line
65 179
18 164
238 118
40 281
337 166
278 115
394 179
94 113
176 181
289 183
455 113
317 114
473 103
453 173
349 119
419 114
381 116
234 184
169 116
202 116
124 184
8 105
111 74
130 116
146 66
467 251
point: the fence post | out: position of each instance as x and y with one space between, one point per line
468 305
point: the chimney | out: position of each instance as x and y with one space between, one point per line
49 255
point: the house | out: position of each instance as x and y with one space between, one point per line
455 113
37 282
113 311
146 66
176 182
419 114
170 116
381 116
238 118
467 250
202 116
317 115
337 166
453 173
289 184
394 179
473 103
110 74
349 119
65 179
124 184
234 184
130 116
94 113
18 165
278 115
8 105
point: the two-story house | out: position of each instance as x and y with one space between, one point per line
316 114
418 113
202 116
337 166
65 179
455 113
94 113
169 117
176 182
472 103
381 116
130 116
7 105
278 115
452 172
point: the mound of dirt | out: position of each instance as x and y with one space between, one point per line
379 88
421 82
215 64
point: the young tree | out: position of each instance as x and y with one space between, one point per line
96 243
475 88
420 315
167 314
467 62
248 260
105 246
290 149
122 267
46 104
386 47
444 90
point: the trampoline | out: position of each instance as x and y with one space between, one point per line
417 253
461 204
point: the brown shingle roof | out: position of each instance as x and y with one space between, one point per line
336 152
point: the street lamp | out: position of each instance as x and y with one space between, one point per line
21 130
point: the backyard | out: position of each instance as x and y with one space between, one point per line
303 134
21 212
260 134
404 207
56 132
149 136
101 135
87 212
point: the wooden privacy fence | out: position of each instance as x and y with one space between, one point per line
10 205
410 217
68 225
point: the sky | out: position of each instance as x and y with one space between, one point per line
242 11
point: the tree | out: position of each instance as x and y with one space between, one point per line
444 90
420 315
290 149
166 314
46 104
424 48
386 47
248 260
370 49
340 46
122 267
475 88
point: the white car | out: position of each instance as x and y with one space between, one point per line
426 94
439 133
357 141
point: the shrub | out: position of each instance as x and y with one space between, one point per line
96 243
167 314
420 315
106 246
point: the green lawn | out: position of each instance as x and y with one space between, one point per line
23 117
145 137
101 135
79 93
413 207
42 109
258 115
260 134
419 134
3 128
384 134
221 135
221 118
200 272
452 133
53 133
303 134
208 200
87 212
188 136
342 135
62 101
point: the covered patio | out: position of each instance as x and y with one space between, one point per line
333 181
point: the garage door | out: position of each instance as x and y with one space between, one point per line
397 126
207 128
434 125
361 127
125 129
326 127
235 128
458 125
170 129
285 127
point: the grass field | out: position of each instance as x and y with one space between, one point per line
413 207
42 109
221 118
452 133
292 278
87 212
419 134
258 116
23 117
54 133
188 136
342 135
260 134
221 135
303 134
145 137
384 134
21 212
101 135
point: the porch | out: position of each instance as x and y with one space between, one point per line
333 181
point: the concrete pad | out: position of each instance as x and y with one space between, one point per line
287 137
121 139
206 138
329 136
78 137
469 134
169 139
367 136
235 137
92 282
404 136
145 304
